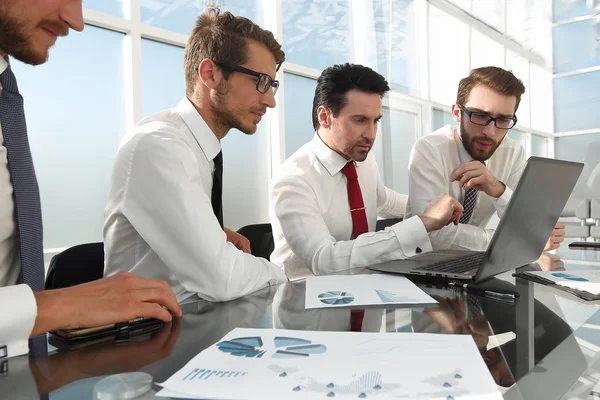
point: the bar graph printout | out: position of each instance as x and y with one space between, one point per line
264 364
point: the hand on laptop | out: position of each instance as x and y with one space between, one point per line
556 238
474 174
441 212
118 298
239 241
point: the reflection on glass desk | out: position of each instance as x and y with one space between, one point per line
543 345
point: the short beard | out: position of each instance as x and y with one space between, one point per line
225 117
468 144
13 40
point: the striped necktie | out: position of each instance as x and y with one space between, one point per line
25 187
468 205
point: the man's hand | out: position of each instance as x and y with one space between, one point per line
238 240
550 262
475 175
441 212
108 359
556 238
106 301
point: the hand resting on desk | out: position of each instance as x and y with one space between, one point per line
121 297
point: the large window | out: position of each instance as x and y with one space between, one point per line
577 76
576 46
485 51
163 83
520 68
112 7
442 118
539 146
299 93
567 9
180 16
317 33
423 48
448 55
75 124
398 132
576 102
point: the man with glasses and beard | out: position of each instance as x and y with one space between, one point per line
475 163
164 217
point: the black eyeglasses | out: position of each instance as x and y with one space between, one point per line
263 83
483 119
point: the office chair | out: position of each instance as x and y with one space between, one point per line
78 264
261 239
384 223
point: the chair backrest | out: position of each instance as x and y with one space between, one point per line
261 239
76 265
384 223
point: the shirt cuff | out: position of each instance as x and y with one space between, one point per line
501 202
16 321
413 237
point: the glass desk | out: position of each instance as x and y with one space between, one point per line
544 345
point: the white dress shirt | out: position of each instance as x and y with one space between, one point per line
312 225
159 221
18 308
433 158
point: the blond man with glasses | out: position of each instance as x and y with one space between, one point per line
164 217
476 162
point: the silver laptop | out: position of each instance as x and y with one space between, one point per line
522 233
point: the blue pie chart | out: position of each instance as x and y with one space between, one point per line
336 298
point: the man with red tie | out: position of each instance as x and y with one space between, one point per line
327 196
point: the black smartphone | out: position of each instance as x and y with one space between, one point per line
71 339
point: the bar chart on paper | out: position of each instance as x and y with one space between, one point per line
338 365
206 374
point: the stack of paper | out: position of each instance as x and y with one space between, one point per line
584 280
282 364
334 291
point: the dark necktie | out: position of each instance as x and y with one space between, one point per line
359 224
25 186
216 197
357 206
468 205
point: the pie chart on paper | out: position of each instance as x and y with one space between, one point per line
336 298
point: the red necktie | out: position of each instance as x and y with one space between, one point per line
360 225
357 206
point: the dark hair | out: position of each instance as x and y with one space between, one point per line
336 81
497 79
224 38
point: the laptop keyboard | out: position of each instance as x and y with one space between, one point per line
457 266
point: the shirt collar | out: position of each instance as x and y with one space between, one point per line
332 161
3 64
208 142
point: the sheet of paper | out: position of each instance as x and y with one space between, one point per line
586 280
285 364
335 291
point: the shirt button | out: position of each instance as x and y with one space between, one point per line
418 250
